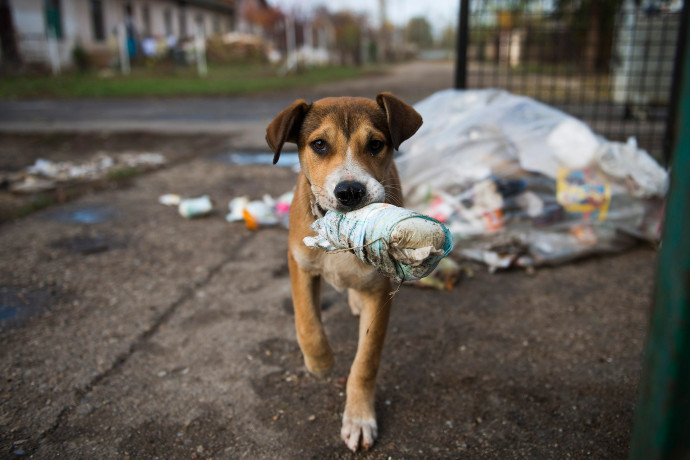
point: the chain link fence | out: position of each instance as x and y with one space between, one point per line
608 62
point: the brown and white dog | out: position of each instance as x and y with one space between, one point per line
346 155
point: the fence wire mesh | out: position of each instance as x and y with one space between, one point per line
608 62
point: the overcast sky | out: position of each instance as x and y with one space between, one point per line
440 13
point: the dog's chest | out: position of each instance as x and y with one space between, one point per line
342 270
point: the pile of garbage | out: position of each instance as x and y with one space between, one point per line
45 175
520 183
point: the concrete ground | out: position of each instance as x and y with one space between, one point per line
129 332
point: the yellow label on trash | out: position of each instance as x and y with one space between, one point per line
584 191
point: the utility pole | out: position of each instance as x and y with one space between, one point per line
383 33
8 40
461 45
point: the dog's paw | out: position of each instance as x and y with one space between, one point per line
356 431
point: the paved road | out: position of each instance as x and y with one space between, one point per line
129 332
134 333
244 117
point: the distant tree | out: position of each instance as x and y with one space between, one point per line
447 40
592 23
266 17
348 36
418 31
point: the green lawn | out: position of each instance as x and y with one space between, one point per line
221 80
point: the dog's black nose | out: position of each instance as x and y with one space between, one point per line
350 193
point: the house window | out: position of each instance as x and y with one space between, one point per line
53 18
146 18
182 19
97 23
168 22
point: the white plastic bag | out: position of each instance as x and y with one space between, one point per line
519 182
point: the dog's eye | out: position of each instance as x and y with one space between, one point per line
375 146
319 146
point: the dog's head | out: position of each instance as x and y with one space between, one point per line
345 145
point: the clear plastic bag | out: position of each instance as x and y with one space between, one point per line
519 182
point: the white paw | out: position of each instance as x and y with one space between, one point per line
359 431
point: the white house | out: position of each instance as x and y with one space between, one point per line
92 24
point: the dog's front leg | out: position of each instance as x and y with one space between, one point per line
359 418
306 299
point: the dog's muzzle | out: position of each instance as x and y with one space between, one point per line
350 194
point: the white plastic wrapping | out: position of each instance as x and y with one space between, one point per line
519 182
400 243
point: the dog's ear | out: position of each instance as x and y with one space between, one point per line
285 127
403 120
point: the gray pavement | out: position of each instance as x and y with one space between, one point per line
143 335
130 332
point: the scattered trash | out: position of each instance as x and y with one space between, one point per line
236 207
520 183
31 184
400 243
195 207
188 208
170 199
46 175
257 214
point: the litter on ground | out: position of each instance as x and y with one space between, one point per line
46 175
195 207
520 183
261 213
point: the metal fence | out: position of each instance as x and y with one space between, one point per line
608 62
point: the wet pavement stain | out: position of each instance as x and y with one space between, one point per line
287 159
87 244
18 304
83 214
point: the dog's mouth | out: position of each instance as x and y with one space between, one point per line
317 209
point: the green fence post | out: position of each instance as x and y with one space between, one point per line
662 419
